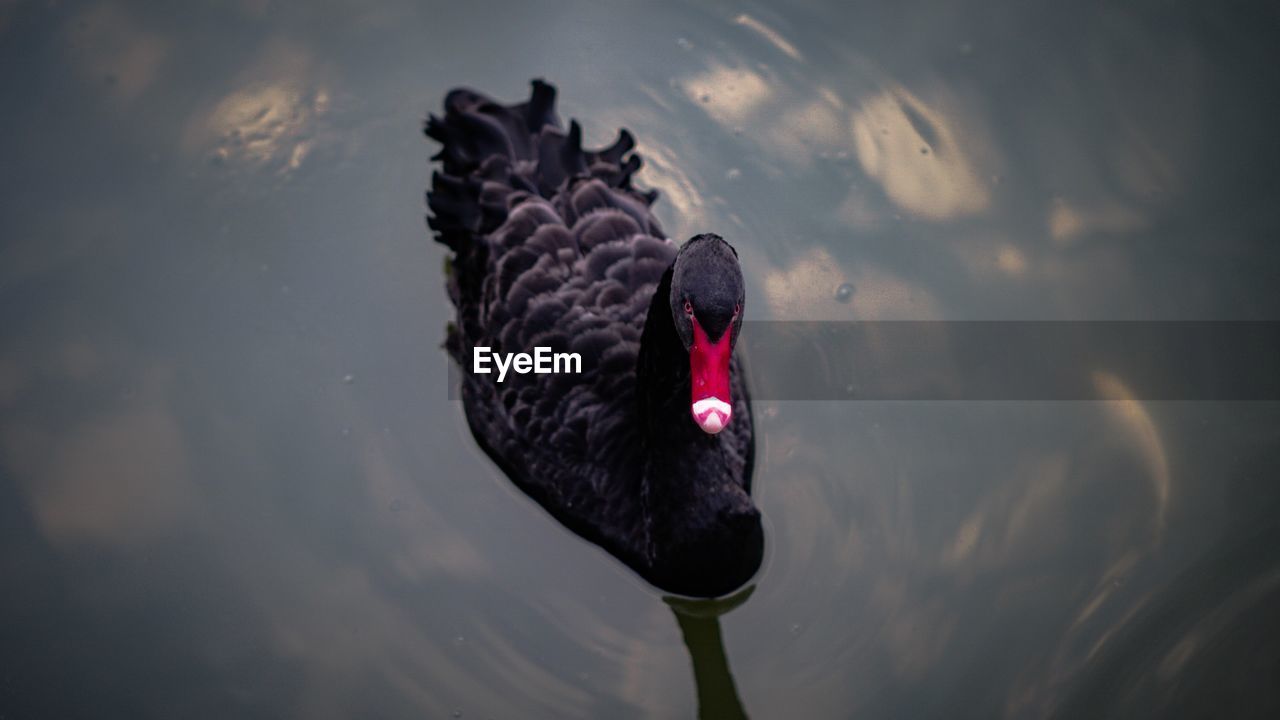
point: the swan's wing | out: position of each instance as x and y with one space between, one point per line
554 249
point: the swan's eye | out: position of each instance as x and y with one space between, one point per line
737 309
688 308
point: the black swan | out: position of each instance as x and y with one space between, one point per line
648 450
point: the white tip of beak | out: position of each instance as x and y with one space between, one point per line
712 414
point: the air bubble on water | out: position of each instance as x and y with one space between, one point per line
733 173
346 432
844 293
795 628
348 379
684 43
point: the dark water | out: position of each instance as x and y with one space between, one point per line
232 484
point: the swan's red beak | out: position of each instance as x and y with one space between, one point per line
709 366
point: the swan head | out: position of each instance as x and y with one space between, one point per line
707 296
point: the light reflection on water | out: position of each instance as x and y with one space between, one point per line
231 482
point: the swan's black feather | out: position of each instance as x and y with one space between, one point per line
553 247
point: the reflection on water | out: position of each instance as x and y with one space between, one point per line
269 122
232 484
911 150
700 626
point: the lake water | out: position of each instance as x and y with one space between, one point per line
232 482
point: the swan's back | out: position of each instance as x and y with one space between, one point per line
553 248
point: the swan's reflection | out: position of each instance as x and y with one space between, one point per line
699 622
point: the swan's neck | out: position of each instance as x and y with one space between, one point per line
662 368
678 454
701 532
